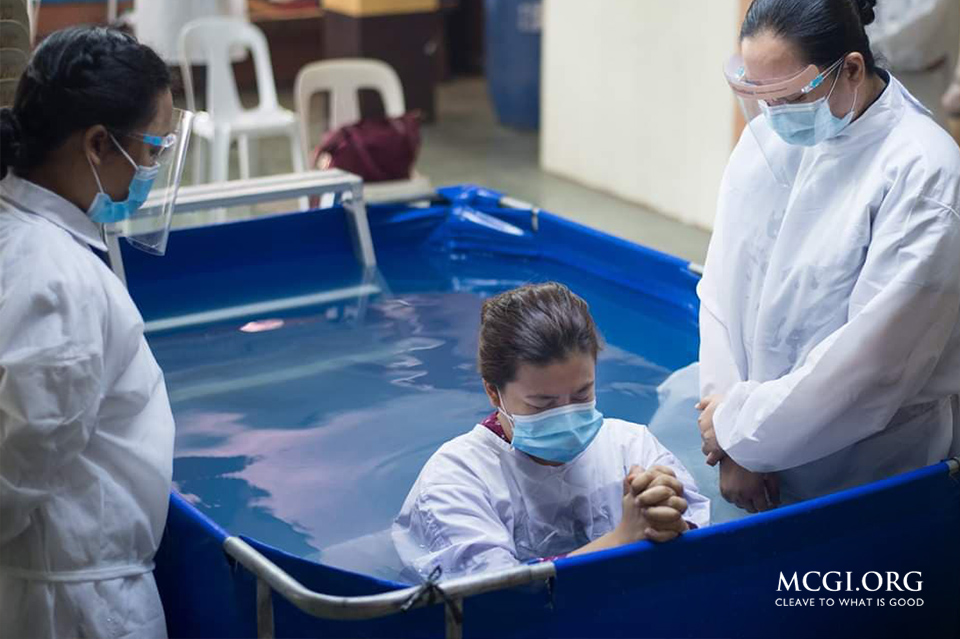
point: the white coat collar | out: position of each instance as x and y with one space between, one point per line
524 462
880 118
34 199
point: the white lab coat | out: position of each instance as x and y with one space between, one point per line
829 308
917 40
86 432
479 504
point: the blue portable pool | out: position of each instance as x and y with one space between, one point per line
306 410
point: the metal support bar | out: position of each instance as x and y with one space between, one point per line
513 203
222 195
360 293
953 463
363 240
264 611
270 188
454 618
373 606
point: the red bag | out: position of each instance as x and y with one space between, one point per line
378 150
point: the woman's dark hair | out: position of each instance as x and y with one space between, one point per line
823 30
77 78
534 324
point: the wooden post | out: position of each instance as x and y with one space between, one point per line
403 33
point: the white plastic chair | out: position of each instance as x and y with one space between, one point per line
158 24
342 80
14 47
13 62
24 12
15 35
225 116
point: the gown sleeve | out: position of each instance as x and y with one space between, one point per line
51 365
902 313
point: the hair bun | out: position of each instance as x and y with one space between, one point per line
867 12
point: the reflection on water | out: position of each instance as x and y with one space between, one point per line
307 430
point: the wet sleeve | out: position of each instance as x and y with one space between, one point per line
454 527
51 364
902 313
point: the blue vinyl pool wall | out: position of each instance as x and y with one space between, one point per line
719 581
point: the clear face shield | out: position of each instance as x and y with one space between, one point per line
148 227
785 113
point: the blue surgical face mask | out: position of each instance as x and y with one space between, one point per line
556 435
104 210
810 123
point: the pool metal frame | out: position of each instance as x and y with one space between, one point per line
343 186
333 185
271 577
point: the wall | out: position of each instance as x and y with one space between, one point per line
59 14
634 102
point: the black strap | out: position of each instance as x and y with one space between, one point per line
431 591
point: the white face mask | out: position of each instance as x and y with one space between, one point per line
558 434
808 124
104 210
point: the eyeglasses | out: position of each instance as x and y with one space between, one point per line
160 144
836 66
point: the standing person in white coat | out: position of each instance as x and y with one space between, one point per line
86 431
830 342
917 40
